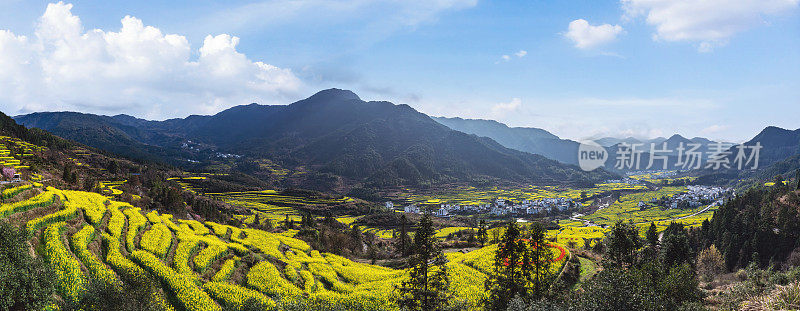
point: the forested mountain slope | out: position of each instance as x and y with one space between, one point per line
332 132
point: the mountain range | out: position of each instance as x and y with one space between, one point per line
331 140
542 142
779 154
528 139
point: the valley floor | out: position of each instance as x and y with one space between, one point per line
86 237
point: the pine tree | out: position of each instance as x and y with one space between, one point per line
675 248
88 184
797 176
508 279
622 243
483 236
67 172
288 222
537 261
403 238
266 225
428 283
357 246
70 176
652 234
308 221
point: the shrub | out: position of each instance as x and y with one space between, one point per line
710 263
25 282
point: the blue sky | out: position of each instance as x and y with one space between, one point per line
722 69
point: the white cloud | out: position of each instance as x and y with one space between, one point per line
586 36
638 132
506 57
138 68
499 110
710 22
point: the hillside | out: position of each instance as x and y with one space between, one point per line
760 225
673 144
168 243
182 258
329 141
539 141
114 134
778 144
532 140
202 265
779 155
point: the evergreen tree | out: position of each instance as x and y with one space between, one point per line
70 176
67 172
508 279
113 167
266 225
427 286
308 221
675 249
797 177
288 222
403 238
483 235
357 240
622 243
652 234
537 261
88 184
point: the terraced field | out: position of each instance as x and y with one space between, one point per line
186 182
9 159
204 265
581 236
469 271
476 196
270 204
110 187
626 208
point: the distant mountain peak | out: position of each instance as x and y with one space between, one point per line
527 139
493 122
676 137
774 130
335 93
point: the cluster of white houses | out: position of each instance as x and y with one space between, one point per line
695 197
499 207
626 180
